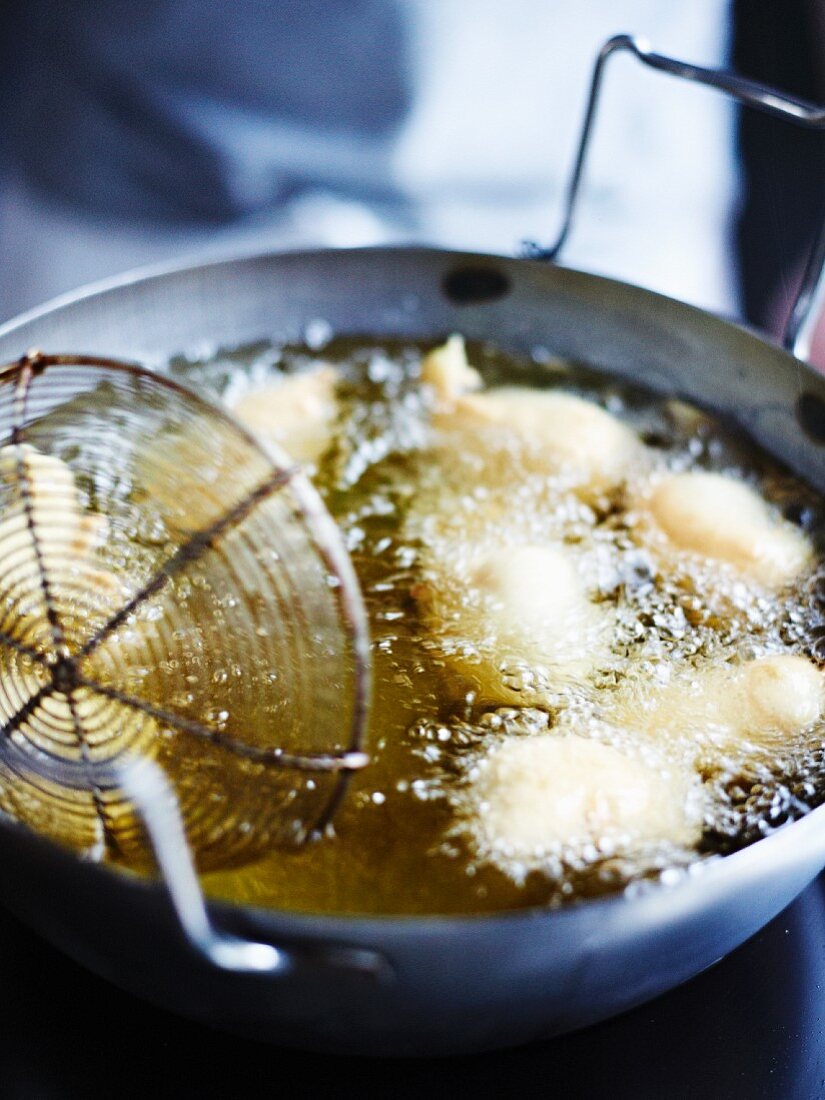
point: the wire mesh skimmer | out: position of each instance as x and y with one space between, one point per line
173 598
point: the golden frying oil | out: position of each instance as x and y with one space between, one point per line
396 848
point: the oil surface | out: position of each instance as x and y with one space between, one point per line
401 842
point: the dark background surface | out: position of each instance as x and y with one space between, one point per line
782 166
752 1027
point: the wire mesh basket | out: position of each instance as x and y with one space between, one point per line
171 593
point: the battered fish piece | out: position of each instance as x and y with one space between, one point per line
41 489
556 431
514 622
537 795
713 515
730 710
63 528
298 413
447 371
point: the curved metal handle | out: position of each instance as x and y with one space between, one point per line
148 788
798 329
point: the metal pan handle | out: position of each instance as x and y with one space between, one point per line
146 785
810 297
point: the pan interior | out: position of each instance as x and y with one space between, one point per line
397 847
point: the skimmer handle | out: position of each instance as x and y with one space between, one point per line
811 294
156 802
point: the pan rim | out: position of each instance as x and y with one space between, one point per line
208 262
702 873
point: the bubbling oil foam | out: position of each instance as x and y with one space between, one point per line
421 505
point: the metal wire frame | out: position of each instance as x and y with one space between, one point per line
142 780
64 669
811 293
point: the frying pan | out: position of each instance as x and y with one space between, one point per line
429 985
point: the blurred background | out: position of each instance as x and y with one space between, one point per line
140 131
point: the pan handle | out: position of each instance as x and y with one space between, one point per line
810 297
148 788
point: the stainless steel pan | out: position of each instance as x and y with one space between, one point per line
425 985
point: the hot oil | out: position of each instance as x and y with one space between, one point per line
402 843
